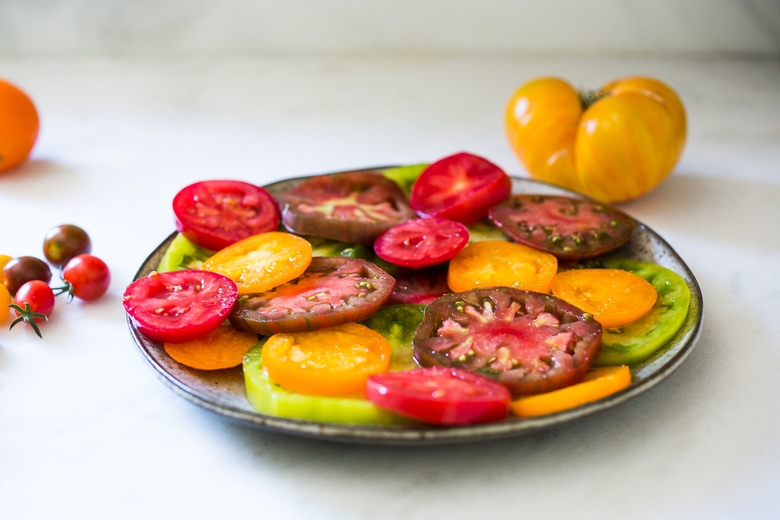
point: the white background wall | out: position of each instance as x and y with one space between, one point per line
31 28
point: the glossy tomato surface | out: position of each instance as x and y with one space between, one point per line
216 213
22 269
422 242
64 242
459 187
529 341
178 306
88 276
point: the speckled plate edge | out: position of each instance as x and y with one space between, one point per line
222 392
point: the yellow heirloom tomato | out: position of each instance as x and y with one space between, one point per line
612 144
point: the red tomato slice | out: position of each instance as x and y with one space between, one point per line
179 306
460 187
422 242
215 214
332 291
440 395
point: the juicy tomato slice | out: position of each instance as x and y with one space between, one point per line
567 227
261 262
529 341
597 384
332 361
224 347
349 207
422 242
438 395
179 306
615 297
332 291
216 213
419 287
492 263
460 187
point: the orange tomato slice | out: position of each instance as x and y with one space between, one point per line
598 383
492 263
332 361
263 261
224 347
615 297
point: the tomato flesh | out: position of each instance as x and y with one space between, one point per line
438 395
178 306
419 287
422 242
459 187
216 213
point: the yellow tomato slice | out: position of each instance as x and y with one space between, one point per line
599 383
615 297
332 361
492 263
263 261
223 347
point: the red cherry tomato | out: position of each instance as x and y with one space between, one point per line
214 214
460 187
422 242
440 395
179 306
88 277
38 295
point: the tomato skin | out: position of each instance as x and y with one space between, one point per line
88 275
460 187
64 242
178 306
19 126
214 214
38 295
5 301
437 395
422 242
22 269
619 147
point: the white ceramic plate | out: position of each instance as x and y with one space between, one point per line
222 392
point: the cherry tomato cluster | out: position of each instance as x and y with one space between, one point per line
26 286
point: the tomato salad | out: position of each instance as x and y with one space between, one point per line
413 295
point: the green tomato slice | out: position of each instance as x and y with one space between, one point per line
638 341
405 176
182 254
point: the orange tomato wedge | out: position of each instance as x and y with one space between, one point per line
614 297
224 347
333 361
598 383
492 263
263 261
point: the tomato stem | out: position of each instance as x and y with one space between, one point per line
28 316
590 96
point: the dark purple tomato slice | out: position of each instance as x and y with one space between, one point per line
332 291
350 207
419 287
179 306
460 187
531 342
422 242
214 214
567 227
440 395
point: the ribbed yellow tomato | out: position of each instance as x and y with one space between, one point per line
614 144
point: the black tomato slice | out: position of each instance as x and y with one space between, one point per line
332 291
349 207
460 187
214 214
529 341
422 242
567 227
419 287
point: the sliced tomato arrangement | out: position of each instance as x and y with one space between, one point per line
216 213
223 347
529 341
569 228
460 187
348 207
179 306
332 291
422 242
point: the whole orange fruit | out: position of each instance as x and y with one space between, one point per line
19 124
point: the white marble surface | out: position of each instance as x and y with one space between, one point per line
87 431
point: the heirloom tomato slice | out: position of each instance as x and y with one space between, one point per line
216 213
348 207
179 306
223 347
263 261
439 395
529 341
332 361
460 187
567 227
422 242
332 291
419 287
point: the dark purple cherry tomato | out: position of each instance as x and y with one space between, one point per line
63 242
422 242
88 277
23 269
